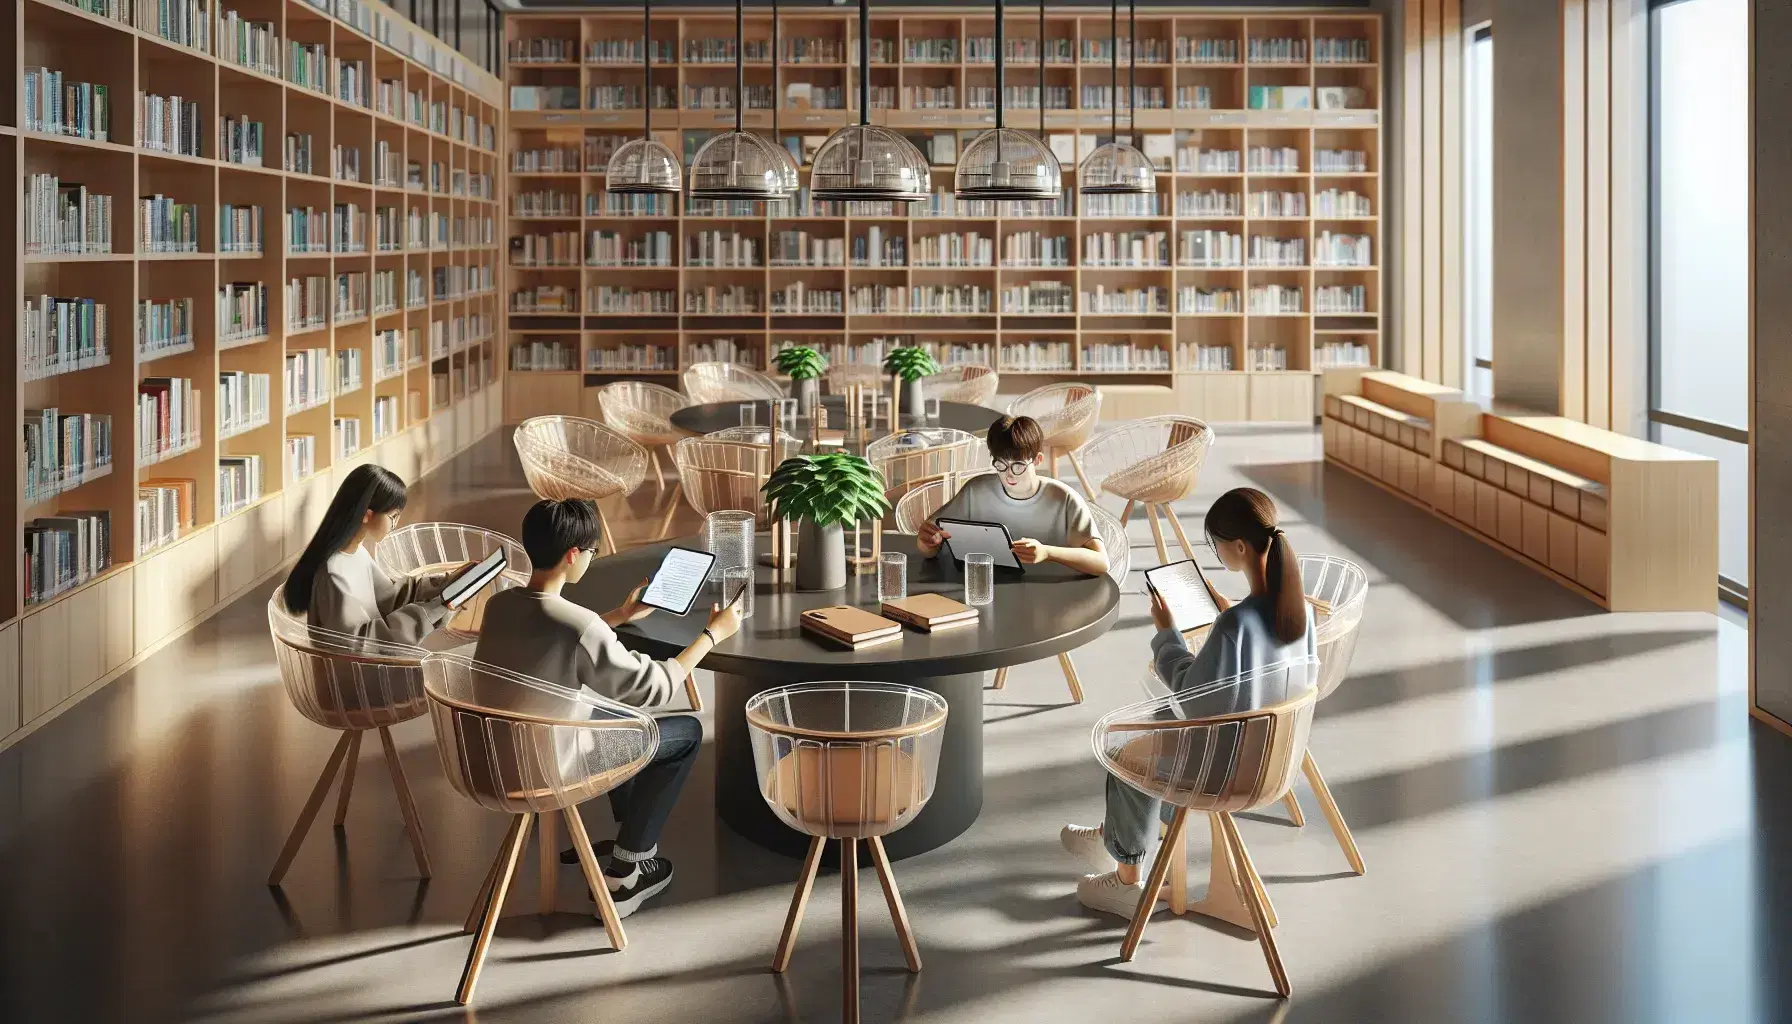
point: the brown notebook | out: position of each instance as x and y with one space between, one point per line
930 612
853 627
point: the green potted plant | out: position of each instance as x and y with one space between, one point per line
823 494
804 366
910 364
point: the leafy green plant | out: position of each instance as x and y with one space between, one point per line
827 489
910 362
800 362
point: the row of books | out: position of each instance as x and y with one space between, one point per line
351 297
1196 299
242 402
57 106
168 422
249 44
242 312
169 124
632 359
64 218
1146 300
241 141
1275 298
64 551
386 417
63 335
1110 357
955 250
544 203
723 249
1126 249
307 303
1205 358
799 298
168 226
346 432
63 452
187 22
348 371
239 482
1268 359
301 456
712 300
165 509
388 354
606 248
550 249
307 378
1037 357
164 327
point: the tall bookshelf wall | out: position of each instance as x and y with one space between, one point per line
445 117
1217 343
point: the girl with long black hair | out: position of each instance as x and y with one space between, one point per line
338 586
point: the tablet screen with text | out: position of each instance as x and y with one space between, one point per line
680 576
1184 590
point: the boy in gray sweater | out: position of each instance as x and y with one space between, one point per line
536 632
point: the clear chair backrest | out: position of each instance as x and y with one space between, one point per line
925 499
1229 746
728 382
1338 589
1067 413
423 548
909 458
970 383
1156 459
1113 541
342 681
641 410
840 376
846 760
573 457
721 474
514 743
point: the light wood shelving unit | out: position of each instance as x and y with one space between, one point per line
55 650
600 51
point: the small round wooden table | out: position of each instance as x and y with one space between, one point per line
1036 615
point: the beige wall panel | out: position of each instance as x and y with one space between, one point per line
10 697
87 612
120 639
43 666
1599 214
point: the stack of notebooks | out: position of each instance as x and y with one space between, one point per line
930 613
857 628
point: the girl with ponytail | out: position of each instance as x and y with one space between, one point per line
1273 625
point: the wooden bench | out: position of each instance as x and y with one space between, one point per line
1385 425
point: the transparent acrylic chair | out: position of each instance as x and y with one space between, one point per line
1232 746
854 762
1152 462
1068 414
573 457
969 383
350 684
1338 589
529 748
726 469
420 549
643 411
728 382
909 458
925 499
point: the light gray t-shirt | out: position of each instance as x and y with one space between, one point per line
1056 515
1243 639
551 638
352 594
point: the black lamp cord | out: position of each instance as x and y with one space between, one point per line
1114 68
1001 83
647 69
864 62
1042 70
777 100
1132 91
740 72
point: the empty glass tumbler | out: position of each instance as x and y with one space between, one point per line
737 580
979 578
749 414
892 577
728 535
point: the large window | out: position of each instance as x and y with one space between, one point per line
1477 214
1698 351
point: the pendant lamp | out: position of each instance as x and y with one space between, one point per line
777 103
864 162
740 164
1118 168
1008 163
644 166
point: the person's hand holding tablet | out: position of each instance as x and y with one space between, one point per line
631 609
930 538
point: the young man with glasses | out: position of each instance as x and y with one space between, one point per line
534 631
1048 521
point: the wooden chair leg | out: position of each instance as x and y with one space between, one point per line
1332 815
849 929
1248 872
659 478
1157 534
494 906
606 545
1126 513
1178 855
671 510
1076 685
1265 935
793 921
893 896
348 778
1056 454
1292 803
547 856
1181 534
691 693
600 893
1225 896
485 887
1077 465
1154 887
1001 679
413 825
309 811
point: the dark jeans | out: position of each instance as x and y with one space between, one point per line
642 804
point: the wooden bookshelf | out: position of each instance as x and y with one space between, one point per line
55 650
599 54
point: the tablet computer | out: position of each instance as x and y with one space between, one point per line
462 588
969 537
676 582
1184 590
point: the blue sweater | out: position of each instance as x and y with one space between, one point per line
1243 639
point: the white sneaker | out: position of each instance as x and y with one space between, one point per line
1084 843
1106 893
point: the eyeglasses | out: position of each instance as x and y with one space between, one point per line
1010 466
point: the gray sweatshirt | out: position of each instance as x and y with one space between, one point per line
352 594
551 638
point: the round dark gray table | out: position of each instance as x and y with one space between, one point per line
704 419
1046 611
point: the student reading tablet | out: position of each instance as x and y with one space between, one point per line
1048 521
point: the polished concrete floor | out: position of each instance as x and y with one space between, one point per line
1567 816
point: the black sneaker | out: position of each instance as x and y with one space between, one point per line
602 848
648 879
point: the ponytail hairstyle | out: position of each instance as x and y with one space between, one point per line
1247 514
366 488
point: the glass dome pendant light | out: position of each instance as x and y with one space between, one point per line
1008 163
864 162
741 165
644 166
1118 168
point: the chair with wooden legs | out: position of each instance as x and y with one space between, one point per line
909 458
1152 462
724 471
705 383
420 549
1338 589
1230 747
1068 414
535 751
969 383
573 457
854 762
353 685
644 411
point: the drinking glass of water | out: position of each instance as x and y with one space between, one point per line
979 578
728 535
892 577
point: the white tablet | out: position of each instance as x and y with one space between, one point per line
678 579
969 538
463 587
1184 590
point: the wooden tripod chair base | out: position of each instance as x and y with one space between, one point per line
488 906
849 899
345 757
